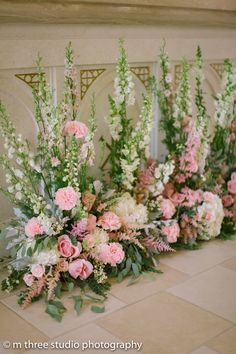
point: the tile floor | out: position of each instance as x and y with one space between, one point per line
189 309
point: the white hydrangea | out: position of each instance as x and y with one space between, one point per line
129 211
46 257
100 236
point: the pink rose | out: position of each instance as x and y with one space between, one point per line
33 228
73 127
112 254
171 232
37 270
109 221
28 279
80 268
66 198
232 186
67 249
227 200
167 208
63 265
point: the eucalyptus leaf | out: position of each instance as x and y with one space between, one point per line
98 309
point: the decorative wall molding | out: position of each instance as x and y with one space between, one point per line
219 68
142 73
87 78
31 79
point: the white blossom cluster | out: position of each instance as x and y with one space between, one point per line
115 127
162 175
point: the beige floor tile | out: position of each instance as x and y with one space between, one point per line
193 262
147 285
86 337
213 290
15 329
204 350
224 343
35 314
230 264
165 324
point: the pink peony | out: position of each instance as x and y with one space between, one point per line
73 127
33 228
80 268
28 279
67 249
167 208
232 185
112 254
37 270
171 232
227 200
63 265
66 198
109 221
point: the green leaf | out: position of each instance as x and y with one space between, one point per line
57 289
135 269
78 303
46 241
98 309
54 312
74 240
29 252
70 286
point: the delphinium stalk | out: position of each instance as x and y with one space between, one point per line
202 121
165 97
182 107
129 144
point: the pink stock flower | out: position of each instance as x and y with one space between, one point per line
80 268
167 208
80 227
37 270
67 249
66 198
171 232
28 279
55 161
33 228
227 200
63 265
73 127
109 221
112 254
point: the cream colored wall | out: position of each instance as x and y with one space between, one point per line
96 47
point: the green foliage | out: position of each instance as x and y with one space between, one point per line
55 309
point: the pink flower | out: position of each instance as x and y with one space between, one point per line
33 228
177 198
55 161
145 177
80 268
112 254
63 265
232 185
73 127
171 232
151 164
228 213
232 137
167 208
37 270
67 249
28 279
233 126
208 197
66 198
109 221
227 200
92 221
88 200
80 227
233 176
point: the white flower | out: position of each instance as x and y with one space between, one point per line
19 173
10 189
18 187
47 257
18 195
100 236
168 78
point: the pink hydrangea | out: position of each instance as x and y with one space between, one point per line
66 198
67 249
33 228
80 227
80 268
109 221
167 208
73 127
112 254
171 232
28 279
37 270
